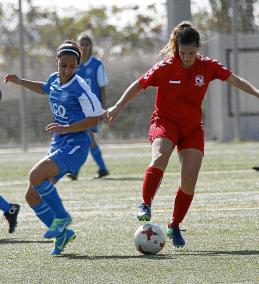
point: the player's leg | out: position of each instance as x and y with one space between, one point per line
74 159
4 204
162 149
97 156
190 149
39 206
190 160
39 179
11 212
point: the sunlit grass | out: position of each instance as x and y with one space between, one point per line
222 225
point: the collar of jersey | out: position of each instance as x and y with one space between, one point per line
88 61
69 82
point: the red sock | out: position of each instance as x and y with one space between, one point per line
182 203
152 179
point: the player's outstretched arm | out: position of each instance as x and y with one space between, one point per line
34 86
132 91
74 127
243 85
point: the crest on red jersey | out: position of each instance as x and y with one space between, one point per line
199 80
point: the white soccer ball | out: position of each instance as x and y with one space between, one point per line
149 239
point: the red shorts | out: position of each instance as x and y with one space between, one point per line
182 135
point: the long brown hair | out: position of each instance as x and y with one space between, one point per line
184 33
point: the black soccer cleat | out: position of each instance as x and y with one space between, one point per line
11 216
101 174
72 177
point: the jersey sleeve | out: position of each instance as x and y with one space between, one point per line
149 78
102 78
220 71
46 85
90 104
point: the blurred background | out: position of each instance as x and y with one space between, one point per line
127 36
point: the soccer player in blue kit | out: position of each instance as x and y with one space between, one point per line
92 70
75 109
11 212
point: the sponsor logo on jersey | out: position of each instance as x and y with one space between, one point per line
59 110
199 81
176 82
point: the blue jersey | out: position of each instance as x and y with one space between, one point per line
94 74
70 103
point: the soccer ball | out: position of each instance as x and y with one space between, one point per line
149 239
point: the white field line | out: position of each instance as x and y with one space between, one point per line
116 211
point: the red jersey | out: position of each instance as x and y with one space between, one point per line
180 91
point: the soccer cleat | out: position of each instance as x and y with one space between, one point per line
175 235
144 212
11 216
60 242
101 174
57 227
72 177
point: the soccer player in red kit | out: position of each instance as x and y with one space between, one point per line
181 79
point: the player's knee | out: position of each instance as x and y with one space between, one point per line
35 177
32 197
160 162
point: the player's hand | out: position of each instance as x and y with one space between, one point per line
111 113
12 78
57 128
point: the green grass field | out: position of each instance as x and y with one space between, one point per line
222 226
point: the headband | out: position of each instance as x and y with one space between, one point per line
68 50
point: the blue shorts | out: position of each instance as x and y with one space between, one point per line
69 159
95 129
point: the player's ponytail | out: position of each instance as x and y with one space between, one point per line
183 34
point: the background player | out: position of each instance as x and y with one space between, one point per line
92 70
75 108
11 212
181 79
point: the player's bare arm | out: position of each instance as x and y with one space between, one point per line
74 127
34 86
243 85
132 91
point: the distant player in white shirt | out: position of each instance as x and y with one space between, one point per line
75 109
92 70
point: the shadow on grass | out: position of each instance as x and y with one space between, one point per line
100 257
18 241
160 256
222 252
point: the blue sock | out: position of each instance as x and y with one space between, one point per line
49 194
44 213
97 156
4 205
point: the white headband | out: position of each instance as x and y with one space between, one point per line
69 50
